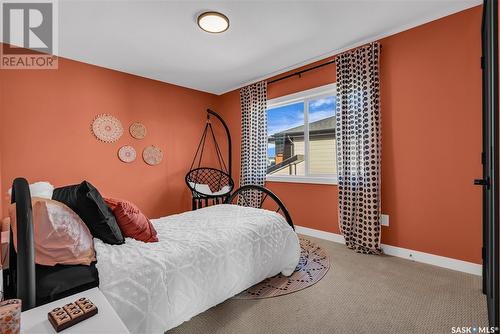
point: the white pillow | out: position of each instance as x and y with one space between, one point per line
205 189
39 189
224 190
201 188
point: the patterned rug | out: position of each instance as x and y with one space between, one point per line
313 265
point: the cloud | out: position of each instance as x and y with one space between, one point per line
320 114
275 129
316 104
327 103
284 118
279 125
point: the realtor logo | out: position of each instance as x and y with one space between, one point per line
29 35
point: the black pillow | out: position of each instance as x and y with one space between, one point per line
86 201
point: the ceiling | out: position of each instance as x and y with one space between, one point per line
160 39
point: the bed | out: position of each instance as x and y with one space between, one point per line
203 258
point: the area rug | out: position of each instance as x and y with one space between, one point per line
313 265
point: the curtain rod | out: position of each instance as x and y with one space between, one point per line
301 71
307 70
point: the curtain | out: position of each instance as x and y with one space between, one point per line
253 100
358 147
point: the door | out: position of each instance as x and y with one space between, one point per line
489 158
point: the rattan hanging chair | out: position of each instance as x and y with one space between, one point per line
210 185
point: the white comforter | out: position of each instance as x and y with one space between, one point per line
203 258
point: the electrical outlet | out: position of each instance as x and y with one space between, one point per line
384 220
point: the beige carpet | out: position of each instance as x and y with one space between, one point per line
359 294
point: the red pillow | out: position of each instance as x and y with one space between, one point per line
132 221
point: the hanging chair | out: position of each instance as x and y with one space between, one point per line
210 185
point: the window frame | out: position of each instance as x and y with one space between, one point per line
305 96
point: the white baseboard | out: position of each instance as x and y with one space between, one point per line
320 234
409 254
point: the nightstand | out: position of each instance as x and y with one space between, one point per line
106 321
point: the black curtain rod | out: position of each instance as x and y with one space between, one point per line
306 70
301 71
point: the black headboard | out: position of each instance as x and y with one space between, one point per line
19 278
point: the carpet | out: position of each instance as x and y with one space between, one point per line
361 294
313 265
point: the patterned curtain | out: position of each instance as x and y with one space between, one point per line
253 100
358 147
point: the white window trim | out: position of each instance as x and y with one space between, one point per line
327 179
318 92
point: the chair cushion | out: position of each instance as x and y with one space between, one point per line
133 223
88 203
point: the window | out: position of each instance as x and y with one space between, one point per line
301 137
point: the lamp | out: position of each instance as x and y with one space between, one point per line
213 22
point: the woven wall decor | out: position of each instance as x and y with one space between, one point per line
127 153
152 155
107 128
138 130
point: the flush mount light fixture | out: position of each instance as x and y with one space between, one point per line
213 22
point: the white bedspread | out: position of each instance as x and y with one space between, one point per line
203 258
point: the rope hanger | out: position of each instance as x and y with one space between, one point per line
201 147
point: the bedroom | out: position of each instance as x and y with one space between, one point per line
278 76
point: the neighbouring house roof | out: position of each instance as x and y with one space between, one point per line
296 159
326 125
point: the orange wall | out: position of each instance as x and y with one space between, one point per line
45 132
431 128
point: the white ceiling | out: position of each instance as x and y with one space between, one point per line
160 39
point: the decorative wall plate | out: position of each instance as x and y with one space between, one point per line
127 153
152 155
107 128
138 130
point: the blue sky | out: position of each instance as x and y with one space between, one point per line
292 115
286 117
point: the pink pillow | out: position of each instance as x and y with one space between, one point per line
61 237
133 223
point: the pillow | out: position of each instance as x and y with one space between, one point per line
201 188
133 223
4 243
86 201
222 191
39 189
61 237
205 189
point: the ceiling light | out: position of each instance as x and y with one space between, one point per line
213 22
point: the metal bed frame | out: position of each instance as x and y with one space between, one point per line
19 278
